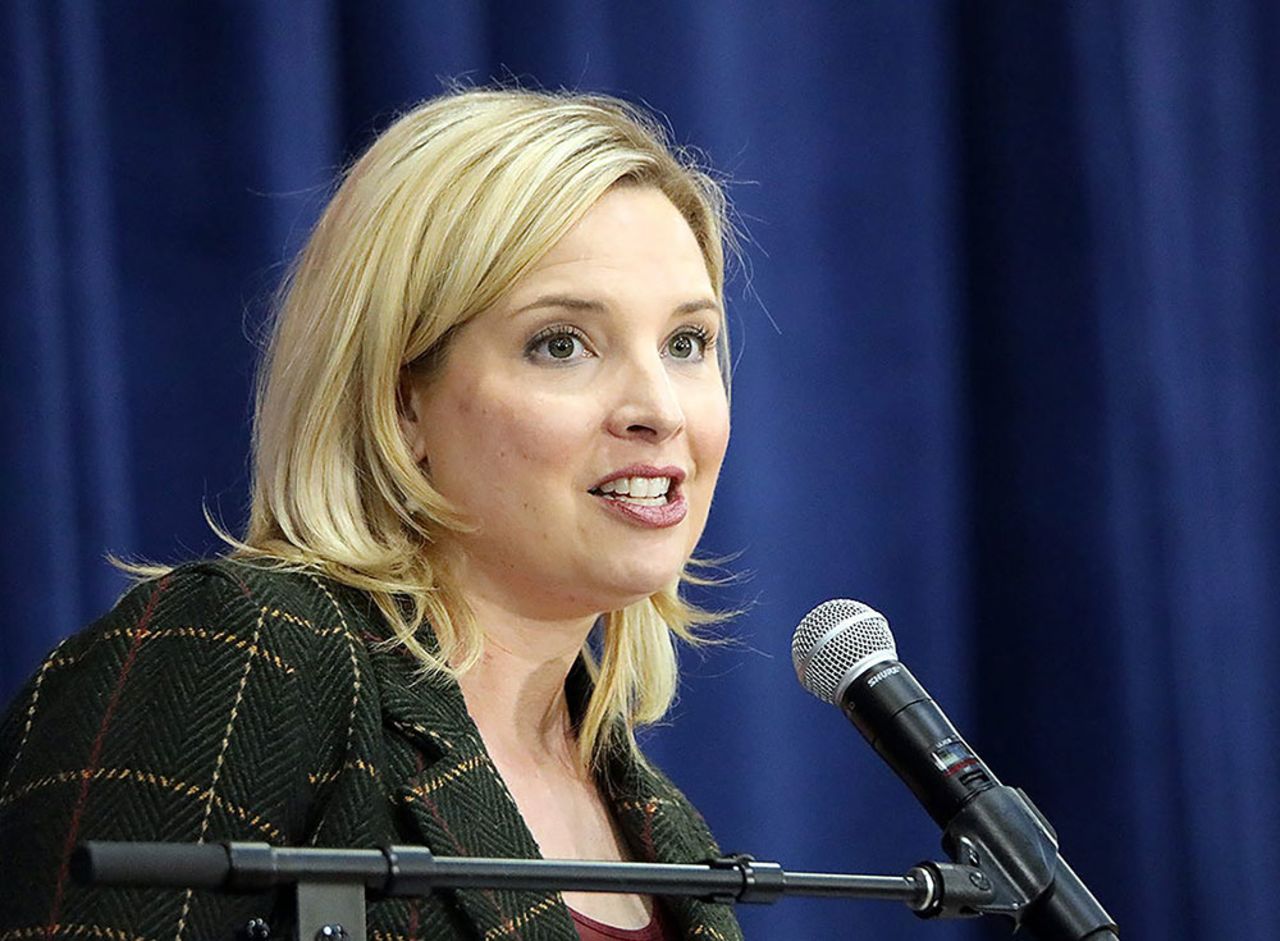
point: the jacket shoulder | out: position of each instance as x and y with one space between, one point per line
205 705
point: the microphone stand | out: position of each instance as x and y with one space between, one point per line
331 883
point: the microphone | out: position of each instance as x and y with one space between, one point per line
844 653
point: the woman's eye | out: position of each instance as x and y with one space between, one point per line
688 345
559 345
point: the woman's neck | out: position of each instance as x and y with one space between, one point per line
515 693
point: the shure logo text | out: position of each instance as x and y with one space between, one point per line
883 674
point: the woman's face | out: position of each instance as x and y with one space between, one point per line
580 422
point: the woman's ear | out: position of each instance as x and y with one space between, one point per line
409 400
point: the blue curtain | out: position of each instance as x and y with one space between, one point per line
1006 339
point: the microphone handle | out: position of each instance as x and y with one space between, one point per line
911 733
985 823
1069 911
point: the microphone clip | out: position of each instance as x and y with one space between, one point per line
1007 863
1003 837
1005 857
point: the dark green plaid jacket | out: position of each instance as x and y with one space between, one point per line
226 702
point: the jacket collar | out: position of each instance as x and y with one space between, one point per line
457 802
460 806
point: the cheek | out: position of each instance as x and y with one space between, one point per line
521 438
709 428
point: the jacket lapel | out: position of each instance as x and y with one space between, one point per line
660 825
457 803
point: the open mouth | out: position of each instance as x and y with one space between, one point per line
639 491
644 495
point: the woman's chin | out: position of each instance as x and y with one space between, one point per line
637 587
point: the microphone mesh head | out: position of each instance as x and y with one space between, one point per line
836 642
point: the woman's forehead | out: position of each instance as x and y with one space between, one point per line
632 238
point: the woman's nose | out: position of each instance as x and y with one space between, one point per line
647 404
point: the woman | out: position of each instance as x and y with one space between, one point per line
487 434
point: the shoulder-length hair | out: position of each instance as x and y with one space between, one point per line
438 219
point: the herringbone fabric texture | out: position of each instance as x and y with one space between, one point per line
225 701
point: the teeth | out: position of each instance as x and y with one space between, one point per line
643 501
639 488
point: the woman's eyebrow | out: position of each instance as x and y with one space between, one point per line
692 307
572 302
567 301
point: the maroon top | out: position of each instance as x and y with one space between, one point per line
591 930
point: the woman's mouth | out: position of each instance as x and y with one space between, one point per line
638 491
648 500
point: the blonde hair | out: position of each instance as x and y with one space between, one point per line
447 209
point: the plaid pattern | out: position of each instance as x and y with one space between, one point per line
225 701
